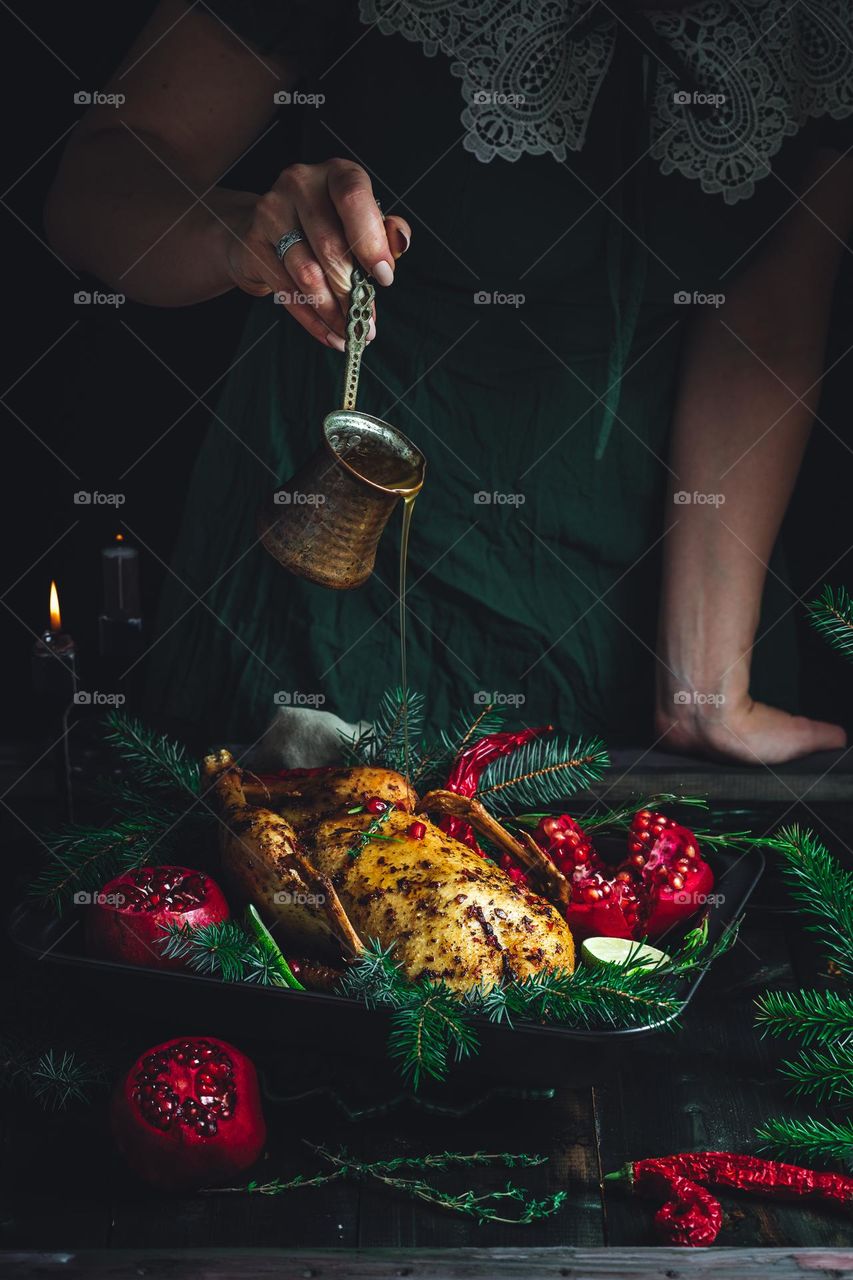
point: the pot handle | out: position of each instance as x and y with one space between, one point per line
359 316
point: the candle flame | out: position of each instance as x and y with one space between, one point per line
55 615
119 537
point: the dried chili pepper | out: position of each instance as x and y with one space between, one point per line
691 1215
750 1173
466 771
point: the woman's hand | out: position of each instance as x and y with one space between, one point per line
726 727
334 206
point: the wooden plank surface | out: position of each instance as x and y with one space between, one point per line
437 1264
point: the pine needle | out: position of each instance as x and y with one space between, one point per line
157 761
541 772
815 1017
832 615
431 1025
826 1074
223 950
466 730
54 1078
809 1140
823 888
384 743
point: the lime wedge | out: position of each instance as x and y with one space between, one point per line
596 951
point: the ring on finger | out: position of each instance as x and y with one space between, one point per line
287 241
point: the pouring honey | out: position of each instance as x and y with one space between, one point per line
324 524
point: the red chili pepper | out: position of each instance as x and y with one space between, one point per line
467 769
691 1215
751 1173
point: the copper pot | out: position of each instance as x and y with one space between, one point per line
325 523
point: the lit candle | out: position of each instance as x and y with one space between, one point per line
120 622
54 663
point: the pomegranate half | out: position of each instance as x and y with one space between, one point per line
188 1114
662 882
126 921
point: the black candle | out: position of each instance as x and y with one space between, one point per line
120 622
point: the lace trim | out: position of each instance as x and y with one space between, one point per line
529 85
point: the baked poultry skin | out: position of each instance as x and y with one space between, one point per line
450 913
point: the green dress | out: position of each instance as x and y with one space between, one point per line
530 347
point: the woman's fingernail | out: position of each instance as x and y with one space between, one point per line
334 341
383 273
405 241
371 331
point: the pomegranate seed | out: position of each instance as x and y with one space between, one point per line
375 805
417 831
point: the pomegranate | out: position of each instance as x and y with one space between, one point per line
125 922
188 1114
663 880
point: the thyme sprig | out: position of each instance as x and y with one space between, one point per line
370 832
483 1208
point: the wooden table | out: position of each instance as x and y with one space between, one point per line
706 1086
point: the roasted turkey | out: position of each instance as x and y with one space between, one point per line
293 850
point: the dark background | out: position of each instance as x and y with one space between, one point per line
80 387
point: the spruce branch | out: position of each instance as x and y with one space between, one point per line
815 1017
430 1025
156 761
808 1140
160 818
400 717
82 858
54 1078
826 1074
823 888
427 1029
542 771
224 950
832 615
465 731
